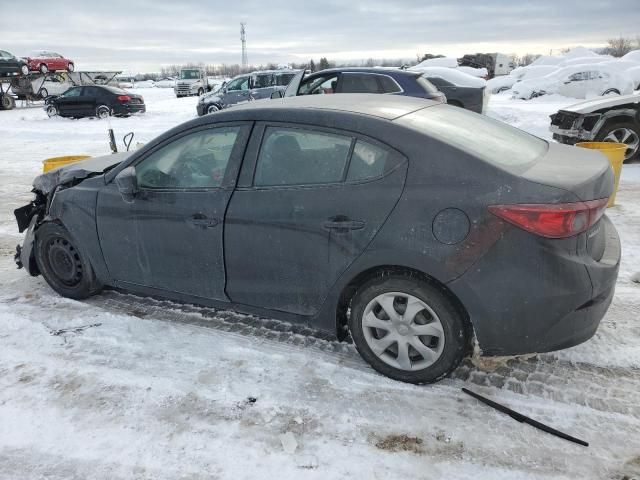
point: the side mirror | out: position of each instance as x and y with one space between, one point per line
277 94
127 184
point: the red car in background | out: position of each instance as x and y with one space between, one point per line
44 62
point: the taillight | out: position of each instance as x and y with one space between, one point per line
555 220
124 98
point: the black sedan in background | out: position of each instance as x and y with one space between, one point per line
94 101
415 226
10 66
363 80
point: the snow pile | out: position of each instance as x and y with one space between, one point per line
453 75
447 62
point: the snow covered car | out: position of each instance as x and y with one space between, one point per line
382 216
44 61
611 119
577 81
505 82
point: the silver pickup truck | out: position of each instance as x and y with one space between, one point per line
614 118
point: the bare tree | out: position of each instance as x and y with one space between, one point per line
527 59
618 47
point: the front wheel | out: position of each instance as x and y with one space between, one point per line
212 109
7 102
407 329
71 67
52 111
43 68
200 92
62 265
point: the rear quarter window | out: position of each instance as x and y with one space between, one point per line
491 140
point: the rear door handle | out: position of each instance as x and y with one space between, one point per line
343 225
202 221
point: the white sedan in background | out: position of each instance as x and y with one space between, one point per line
505 82
577 81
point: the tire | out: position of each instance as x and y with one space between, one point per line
52 111
200 92
444 336
43 93
622 132
24 69
62 265
7 102
43 68
71 67
103 111
212 109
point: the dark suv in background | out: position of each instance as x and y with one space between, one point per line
243 88
363 80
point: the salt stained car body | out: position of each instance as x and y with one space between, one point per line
407 223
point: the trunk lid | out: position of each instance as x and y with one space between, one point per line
585 173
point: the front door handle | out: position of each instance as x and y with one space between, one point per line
343 224
202 221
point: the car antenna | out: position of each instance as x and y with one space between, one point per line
112 141
524 419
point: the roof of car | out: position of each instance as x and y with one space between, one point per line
381 70
388 107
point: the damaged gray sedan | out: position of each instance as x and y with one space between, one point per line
412 226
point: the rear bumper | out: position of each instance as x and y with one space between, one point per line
130 109
546 300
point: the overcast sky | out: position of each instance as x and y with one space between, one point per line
143 35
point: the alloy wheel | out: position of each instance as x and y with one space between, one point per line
403 331
626 136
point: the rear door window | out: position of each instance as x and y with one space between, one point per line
388 84
292 156
370 161
359 83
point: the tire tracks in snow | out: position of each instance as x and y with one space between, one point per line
608 389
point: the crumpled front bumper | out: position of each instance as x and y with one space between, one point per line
24 253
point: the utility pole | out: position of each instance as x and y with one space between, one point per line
243 39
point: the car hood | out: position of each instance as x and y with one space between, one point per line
590 106
210 98
47 182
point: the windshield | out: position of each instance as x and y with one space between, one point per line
189 74
493 141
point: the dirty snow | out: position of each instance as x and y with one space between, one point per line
154 390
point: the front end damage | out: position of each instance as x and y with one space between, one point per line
45 187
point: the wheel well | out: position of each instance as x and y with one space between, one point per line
349 291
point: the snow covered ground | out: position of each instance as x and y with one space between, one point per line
154 390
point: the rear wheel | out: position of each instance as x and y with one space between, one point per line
62 265
43 93
7 102
43 68
407 329
52 111
622 132
71 67
103 111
